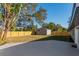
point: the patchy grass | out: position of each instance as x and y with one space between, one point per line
27 38
30 38
59 38
2 42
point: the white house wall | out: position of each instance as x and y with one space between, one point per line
75 31
75 35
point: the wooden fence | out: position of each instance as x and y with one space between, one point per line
55 33
24 33
18 33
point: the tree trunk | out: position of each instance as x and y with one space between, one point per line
4 34
7 27
8 20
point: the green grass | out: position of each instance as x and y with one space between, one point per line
58 38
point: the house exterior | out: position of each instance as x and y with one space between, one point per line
74 24
43 31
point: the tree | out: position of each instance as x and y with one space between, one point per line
64 29
40 16
25 19
61 28
30 14
13 11
45 25
51 26
54 27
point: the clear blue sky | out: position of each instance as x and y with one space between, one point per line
58 13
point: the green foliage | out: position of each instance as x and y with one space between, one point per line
60 29
51 26
54 27
44 25
13 9
31 14
64 30
41 14
34 27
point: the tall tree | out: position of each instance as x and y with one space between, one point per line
45 25
12 12
30 14
40 16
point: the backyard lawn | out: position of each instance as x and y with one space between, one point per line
30 38
26 38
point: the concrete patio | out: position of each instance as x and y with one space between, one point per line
41 48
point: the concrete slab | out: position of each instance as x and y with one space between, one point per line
10 45
41 48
